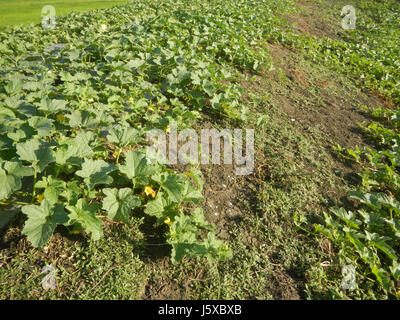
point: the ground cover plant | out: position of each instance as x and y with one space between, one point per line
76 187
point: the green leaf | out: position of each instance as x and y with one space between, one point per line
53 187
23 132
95 172
379 242
81 119
119 203
347 217
325 231
8 184
208 87
13 87
83 213
72 192
364 252
200 221
156 207
17 169
382 277
395 225
37 152
136 168
42 221
395 269
179 250
376 200
184 240
50 106
123 137
190 193
183 229
72 151
43 126
172 184
10 177
216 249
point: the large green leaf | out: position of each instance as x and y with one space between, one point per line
43 126
156 207
84 214
37 152
42 220
380 243
49 106
8 184
347 217
172 184
124 136
72 151
119 203
95 172
24 132
53 187
13 87
10 177
136 168
82 119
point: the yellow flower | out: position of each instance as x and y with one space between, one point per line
200 47
167 129
131 99
149 191
165 107
168 221
102 139
40 197
115 154
60 117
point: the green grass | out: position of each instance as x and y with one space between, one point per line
26 12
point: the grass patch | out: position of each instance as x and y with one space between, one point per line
27 12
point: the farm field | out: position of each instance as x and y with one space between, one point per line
27 12
317 217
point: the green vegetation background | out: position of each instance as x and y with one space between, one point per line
26 12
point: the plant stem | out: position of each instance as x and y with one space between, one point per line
34 183
58 171
14 202
119 152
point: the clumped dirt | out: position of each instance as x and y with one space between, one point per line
338 117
